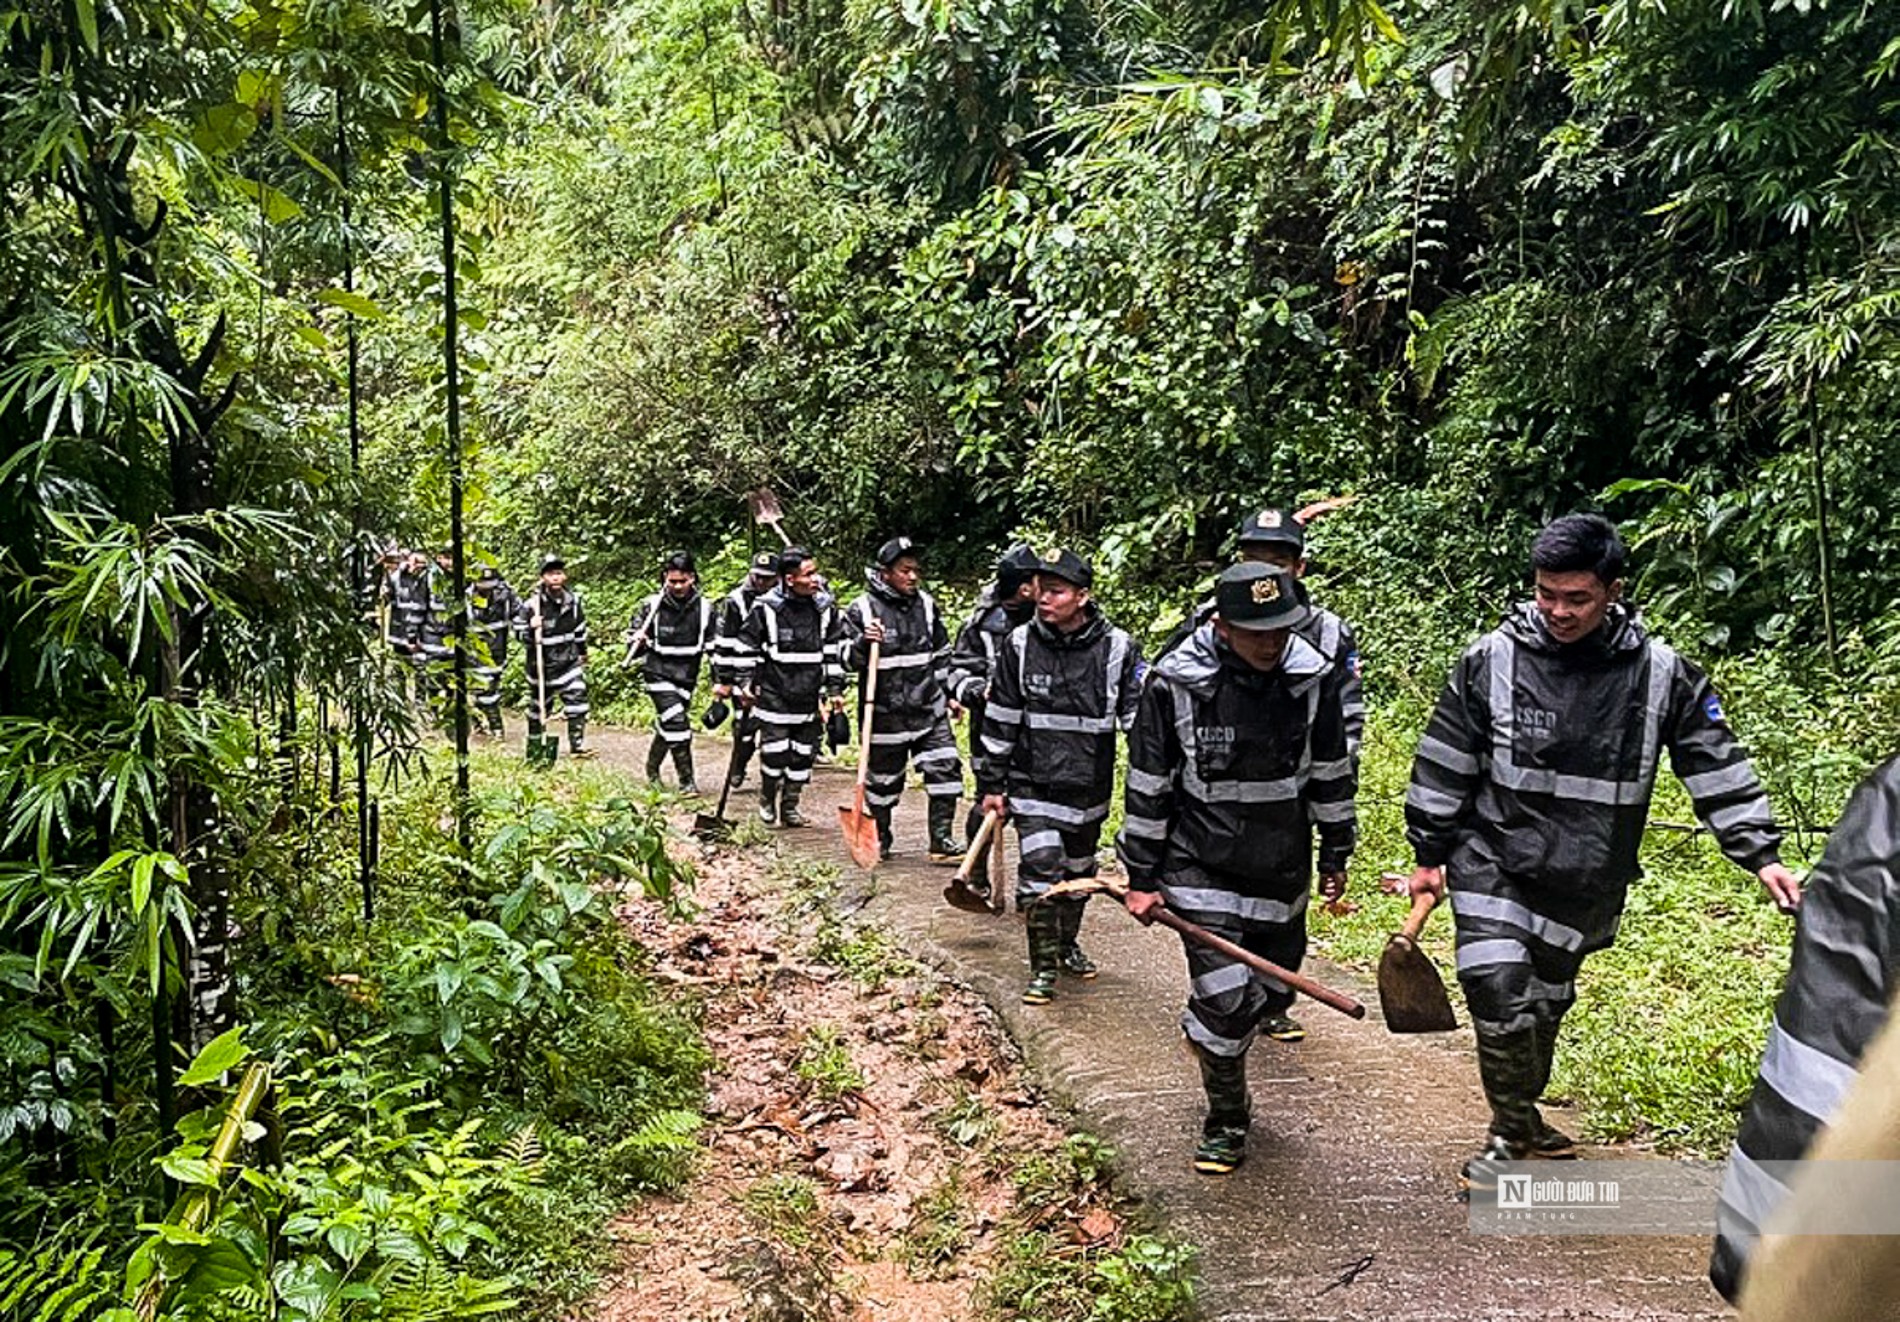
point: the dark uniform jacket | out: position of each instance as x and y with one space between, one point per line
679 635
491 609
1544 757
730 665
797 648
913 667
1843 978
973 656
1230 769
408 605
1334 639
1056 701
438 620
563 629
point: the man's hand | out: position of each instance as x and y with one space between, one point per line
998 804
1332 886
956 710
1427 881
837 702
874 631
1144 905
722 690
1781 884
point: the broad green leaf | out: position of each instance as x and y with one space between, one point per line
351 302
221 1054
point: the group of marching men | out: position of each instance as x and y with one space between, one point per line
1528 799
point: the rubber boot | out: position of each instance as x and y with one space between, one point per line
788 813
768 799
656 758
1044 926
1229 1112
943 820
885 836
494 723
1507 1066
577 737
683 767
1548 1142
1069 916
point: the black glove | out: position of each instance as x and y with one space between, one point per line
837 730
715 716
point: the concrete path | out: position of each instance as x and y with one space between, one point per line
1357 1134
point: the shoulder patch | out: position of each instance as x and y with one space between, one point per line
1713 707
1352 664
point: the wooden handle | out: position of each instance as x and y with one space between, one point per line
983 834
1325 995
1422 906
870 713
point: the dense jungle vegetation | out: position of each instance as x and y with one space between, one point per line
1077 269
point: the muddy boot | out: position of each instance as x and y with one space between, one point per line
1044 926
788 813
1507 1065
885 837
656 759
1069 920
768 799
683 767
1223 1143
943 819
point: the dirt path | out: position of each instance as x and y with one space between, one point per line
1357 1133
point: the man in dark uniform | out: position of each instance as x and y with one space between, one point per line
408 607
672 631
1008 602
1530 792
731 668
435 638
491 611
552 624
911 721
794 642
1238 753
1061 686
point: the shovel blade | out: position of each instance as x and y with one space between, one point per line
860 835
958 895
542 750
713 830
1411 993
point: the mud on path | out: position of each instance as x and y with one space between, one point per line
1346 1207
873 1149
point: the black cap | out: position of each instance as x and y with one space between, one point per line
791 558
765 562
896 549
552 563
680 562
1069 567
1273 527
1256 596
1016 567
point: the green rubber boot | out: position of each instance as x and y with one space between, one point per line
1223 1144
1045 953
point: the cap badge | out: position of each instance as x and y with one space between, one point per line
1265 590
1268 518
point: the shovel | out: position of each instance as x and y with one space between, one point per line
860 828
1200 936
714 828
960 891
543 748
766 509
1410 991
